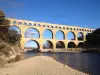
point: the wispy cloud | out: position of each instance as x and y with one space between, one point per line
11 4
30 34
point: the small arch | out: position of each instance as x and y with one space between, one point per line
67 28
71 45
43 25
30 24
48 34
60 44
14 22
71 35
47 26
19 23
34 24
32 33
80 36
74 29
47 44
31 45
16 28
56 27
59 27
51 26
25 23
70 28
82 29
62 35
63 27
39 25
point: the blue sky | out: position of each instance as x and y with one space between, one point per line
83 13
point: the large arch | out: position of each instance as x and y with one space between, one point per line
47 44
71 35
80 36
32 33
48 34
71 45
31 45
16 28
60 44
81 45
62 35
86 35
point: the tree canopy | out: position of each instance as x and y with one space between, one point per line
93 38
6 35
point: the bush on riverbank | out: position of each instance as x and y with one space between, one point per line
9 41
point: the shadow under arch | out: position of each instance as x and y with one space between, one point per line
16 28
62 35
60 44
31 45
32 33
48 34
71 35
86 35
47 44
71 45
81 45
80 36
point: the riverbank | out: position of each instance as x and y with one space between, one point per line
39 65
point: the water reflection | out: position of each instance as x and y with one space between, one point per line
84 62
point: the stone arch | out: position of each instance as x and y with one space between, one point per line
39 25
34 24
19 23
81 45
71 35
25 23
16 28
14 22
47 44
61 33
86 35
32 33
56 27
47 26
30 24
47 34
71 45
31 45
80 36
60 44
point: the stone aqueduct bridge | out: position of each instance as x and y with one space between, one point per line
23 25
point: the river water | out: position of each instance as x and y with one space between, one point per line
84 62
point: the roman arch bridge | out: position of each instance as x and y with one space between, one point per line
23 25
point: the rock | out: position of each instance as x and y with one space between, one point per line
3 59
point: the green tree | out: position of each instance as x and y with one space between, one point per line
4 23
13 37
93 38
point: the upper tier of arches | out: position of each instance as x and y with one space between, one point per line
47 25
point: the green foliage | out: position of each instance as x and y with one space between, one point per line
80 38
9 36
93 38
13 37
